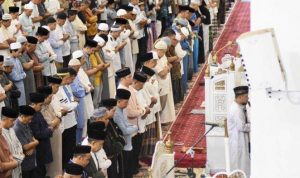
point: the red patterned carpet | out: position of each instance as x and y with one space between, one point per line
188 127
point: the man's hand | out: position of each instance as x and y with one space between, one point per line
64 112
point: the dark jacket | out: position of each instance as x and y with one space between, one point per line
42 133
92 171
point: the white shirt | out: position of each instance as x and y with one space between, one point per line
164 83
60 101
35 13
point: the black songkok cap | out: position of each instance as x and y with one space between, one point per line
126 7
61 15
82 149
9 112
110 102
36 97
74 169
1 58
148 71
45 90
191 10
26 110
139 76
104 37
123 72
121 21
110 2
72 12
42 31
96 131
241 90
123 94
50 20
63 71
191 23
183 8
91 43
146 57
54 80
13 9
31 39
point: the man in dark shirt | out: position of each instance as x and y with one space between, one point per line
42 132
29 143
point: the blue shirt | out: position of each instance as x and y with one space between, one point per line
127 129
24 134
17 73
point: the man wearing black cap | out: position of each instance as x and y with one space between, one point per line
66 48
127 129
114 142
42 132
81 156
16 27
150 95
125 78
37 67
28 142
136 113
8 116
65 99
69 28
73 171
43 54
98 164
239 130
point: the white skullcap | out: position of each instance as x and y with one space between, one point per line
28 6
6 17
74 62
178 36
160 45
21 39
195 2
134 11
155 55
46 27
14 46
115 28
124 34
77 54
8 62
99 40
184 31
103 27
121 12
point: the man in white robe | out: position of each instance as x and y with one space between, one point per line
162 70
239 130
25 20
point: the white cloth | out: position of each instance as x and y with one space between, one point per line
26 23
5 33
60 101
80 27
88 101
238 131
51 68
35 13
110 70
164 83
2 104
112 44
15 148
52 6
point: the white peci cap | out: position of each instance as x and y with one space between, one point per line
103 27
74 62
121 12
14 46
77 54
28 6
160 45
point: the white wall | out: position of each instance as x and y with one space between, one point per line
276 124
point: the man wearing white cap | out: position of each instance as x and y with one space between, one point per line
103 28
26 21
162 70
115 46
17 75
35 16
81 28
6 35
